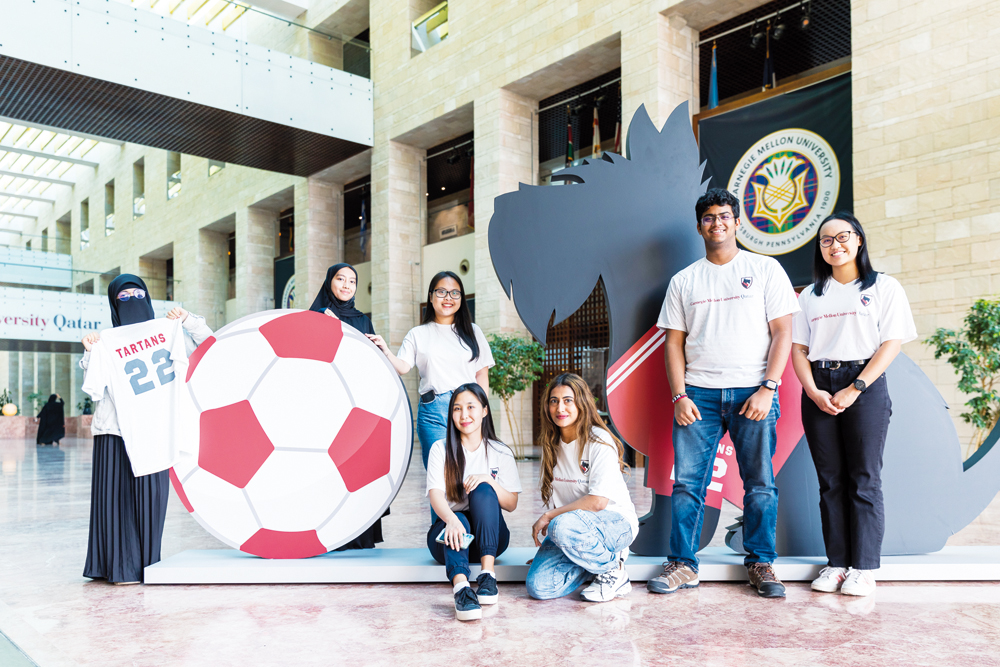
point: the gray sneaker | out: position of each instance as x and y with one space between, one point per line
675 575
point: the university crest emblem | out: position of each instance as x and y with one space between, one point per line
746 282
494 472
787 183
865 299
584 466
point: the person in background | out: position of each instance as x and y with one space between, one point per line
471 477
51 422
852 325
127 512
448 350
591 521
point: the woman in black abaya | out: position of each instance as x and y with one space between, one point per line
51 424
127 512
336 298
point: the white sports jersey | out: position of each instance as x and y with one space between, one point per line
142 366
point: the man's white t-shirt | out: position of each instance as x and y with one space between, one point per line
595 473
848 323
142 366
442 359
494 459
725 311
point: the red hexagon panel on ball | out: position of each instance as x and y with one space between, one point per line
305 434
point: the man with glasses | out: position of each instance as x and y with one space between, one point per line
728 322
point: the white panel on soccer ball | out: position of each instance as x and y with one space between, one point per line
301 403
222 506
251 322
186 463
359 512
368 376
296 490
399 456
229 370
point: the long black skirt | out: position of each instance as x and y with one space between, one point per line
367 539
126 514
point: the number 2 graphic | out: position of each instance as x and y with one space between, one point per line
137 370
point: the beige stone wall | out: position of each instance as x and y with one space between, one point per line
926 86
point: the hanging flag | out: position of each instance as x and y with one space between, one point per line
596 151
472 191
770 80
364 225
713 83
618 125
569 138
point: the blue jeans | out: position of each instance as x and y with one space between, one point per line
484 521
695 448
579 543
432 423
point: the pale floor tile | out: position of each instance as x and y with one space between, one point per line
60 618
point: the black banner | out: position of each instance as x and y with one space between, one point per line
788 159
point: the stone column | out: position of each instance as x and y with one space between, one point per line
399 203
62 380
255 252
506 133
43 373
201 272
26 364
319 235
659 69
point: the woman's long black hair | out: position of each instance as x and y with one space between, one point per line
822 272
463 318
454 453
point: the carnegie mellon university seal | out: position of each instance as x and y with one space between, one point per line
787 183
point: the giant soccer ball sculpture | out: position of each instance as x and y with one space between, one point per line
304 434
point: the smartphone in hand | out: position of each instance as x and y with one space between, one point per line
466 539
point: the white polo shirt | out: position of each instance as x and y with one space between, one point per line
725 311
848 323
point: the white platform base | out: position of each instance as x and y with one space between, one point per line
228 566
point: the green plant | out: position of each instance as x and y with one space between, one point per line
37 400
974 352
85 407
518 365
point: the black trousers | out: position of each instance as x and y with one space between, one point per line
847 451
484 521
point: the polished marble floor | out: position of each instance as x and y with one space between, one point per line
57 617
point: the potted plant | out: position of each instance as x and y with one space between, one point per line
518 366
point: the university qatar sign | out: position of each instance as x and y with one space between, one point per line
30 316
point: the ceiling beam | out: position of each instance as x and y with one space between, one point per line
16 214
36 126
48 156
35 177
14 195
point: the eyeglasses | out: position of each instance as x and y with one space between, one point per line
842 237
709 219
442 293
137 293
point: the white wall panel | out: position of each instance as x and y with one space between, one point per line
132 46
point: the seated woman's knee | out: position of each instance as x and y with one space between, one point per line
483 493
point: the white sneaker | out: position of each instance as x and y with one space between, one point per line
608 585
859 582
829 579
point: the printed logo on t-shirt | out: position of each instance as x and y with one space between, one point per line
865 299
747 282
585 466
494 472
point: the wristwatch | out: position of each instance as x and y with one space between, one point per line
769 384
860 385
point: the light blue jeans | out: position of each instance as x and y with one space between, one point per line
579 544
432 423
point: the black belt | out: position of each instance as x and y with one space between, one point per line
834 365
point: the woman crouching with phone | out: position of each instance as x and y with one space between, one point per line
592 521
471 476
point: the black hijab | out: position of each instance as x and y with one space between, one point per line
134 310
344 310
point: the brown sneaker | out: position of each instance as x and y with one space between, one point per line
675 575
763 578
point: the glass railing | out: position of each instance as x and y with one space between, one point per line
431 28
243 21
